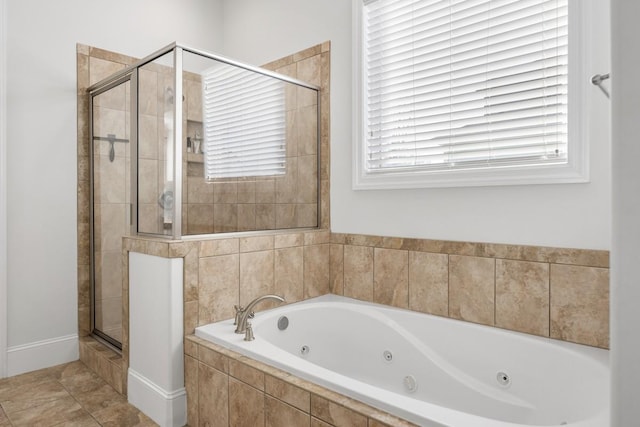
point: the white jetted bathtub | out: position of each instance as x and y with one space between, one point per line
427 369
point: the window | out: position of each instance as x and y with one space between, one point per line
467 92
244 123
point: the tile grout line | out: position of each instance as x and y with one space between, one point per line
6 415
77 401
495 302
35 384
549 309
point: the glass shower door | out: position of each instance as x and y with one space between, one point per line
111 206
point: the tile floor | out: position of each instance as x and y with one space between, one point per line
65 395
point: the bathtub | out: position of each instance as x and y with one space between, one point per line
429 370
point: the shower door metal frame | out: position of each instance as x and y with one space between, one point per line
132 77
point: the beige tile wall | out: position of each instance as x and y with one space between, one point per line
221 273
227 389
105 362
155 83
94 64
552 292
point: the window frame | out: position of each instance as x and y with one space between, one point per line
576 170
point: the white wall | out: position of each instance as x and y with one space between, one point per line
575 215
41 135
3 194
625 252
41 141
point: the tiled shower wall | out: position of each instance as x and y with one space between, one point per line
260 203
93 65
296 261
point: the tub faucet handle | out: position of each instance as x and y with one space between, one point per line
239 310
248 333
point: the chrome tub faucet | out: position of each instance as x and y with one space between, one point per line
244 314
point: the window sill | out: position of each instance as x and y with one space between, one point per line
534 175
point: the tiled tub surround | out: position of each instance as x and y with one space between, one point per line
222 272
225 389
437 277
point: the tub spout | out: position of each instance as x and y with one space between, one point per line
245 314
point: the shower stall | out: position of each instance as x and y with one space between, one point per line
185 143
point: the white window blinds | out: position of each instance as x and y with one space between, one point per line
464 84
244 123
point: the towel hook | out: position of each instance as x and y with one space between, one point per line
598 79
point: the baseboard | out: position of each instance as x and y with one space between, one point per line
42 354
167 408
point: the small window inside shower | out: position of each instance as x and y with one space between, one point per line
250 149
244 124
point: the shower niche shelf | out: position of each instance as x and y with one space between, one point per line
194 131
195 157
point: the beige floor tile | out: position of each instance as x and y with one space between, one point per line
68 370
82 383
8 384
50 413
100 398
32 395
4 421
122 415
84 420
48 374
67 395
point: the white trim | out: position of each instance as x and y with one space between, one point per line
42 354
167 408
576 171
357 118
156 333
4 321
